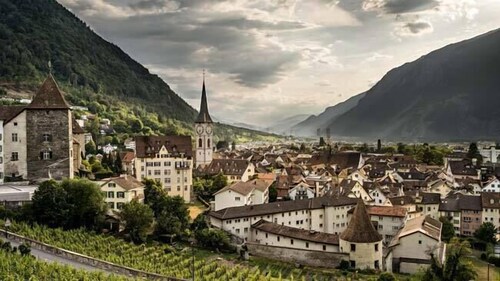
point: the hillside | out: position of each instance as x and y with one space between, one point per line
284 126
309 126
449 94
91 71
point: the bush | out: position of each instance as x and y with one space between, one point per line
494 260
386 276
483 256
213 239
344 265
25 249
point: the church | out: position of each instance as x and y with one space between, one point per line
203 133
40 140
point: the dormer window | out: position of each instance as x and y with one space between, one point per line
47 137
46 154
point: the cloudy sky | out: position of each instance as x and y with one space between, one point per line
270 59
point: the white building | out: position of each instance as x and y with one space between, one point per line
491 208
168 160
388 220
411 248
322 214
492 186
242 193
120 190
233 169
301 191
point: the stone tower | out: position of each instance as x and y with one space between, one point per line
361 240
203 132
49 134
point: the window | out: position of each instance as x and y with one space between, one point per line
353 264
237 230
208 143
120 194
166 172
307 245
278 238
200 142
380 227
324 247
167 180
47 137
291 241
111 194
46 155
236 198
377 265
266 235
119 205
157 172
14 137
419 242
14 156
353 247
376 247
15 123
111 184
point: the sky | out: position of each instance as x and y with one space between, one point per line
266 60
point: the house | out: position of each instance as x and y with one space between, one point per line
388 220
464 169
491 208
450 208
120 190
33 148
301 191
128 159
233 169
411 248
492 185
322 214
408 203
242 194
440 186
268 233
168 160
428 203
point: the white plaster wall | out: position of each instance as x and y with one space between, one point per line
409 246
227 199
19 167
491 215
337 218
365 254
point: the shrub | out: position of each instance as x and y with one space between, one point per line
25 249
386 276
483 256
344 265
494 260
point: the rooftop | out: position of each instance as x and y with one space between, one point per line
297 233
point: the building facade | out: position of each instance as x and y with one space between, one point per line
121 190
168 160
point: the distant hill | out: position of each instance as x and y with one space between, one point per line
309 126
284 126
93 72
450 94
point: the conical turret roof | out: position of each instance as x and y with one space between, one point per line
48 96
204 116
360 228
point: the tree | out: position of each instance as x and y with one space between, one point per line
137 218
90 148
213 239
379 145
219 181
486 233
448 230
86 204
118 164
456 266
153 193
49 204
322 141
233 145
273 193
199 223
473 153
173 216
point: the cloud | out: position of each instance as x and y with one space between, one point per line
399 6
415 28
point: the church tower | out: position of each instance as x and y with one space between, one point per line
203 132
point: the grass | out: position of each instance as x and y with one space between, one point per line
482 270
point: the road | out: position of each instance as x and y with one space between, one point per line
48 257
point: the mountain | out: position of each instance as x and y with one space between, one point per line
449 94
91 71
284 126
309 126
34 32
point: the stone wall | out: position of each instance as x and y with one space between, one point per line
57 124
104 265
303 257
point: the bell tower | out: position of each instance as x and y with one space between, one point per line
203 132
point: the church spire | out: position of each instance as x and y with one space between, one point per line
204 116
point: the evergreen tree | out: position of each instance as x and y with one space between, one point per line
448 230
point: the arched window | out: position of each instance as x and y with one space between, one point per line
208 143
200 142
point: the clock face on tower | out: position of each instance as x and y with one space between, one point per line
199 129
209 129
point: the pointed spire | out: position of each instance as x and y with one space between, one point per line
360 228
48 96
204 116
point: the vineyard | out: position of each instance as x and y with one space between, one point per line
14 267
162 260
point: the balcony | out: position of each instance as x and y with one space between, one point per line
182 166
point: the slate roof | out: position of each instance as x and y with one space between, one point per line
296 233
244 188
126 182
148 146
234 167
387 211
360 229
7 112
281 207
463 168
459 202
490 200
402 200
48 96
430 198
203 116
423 224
